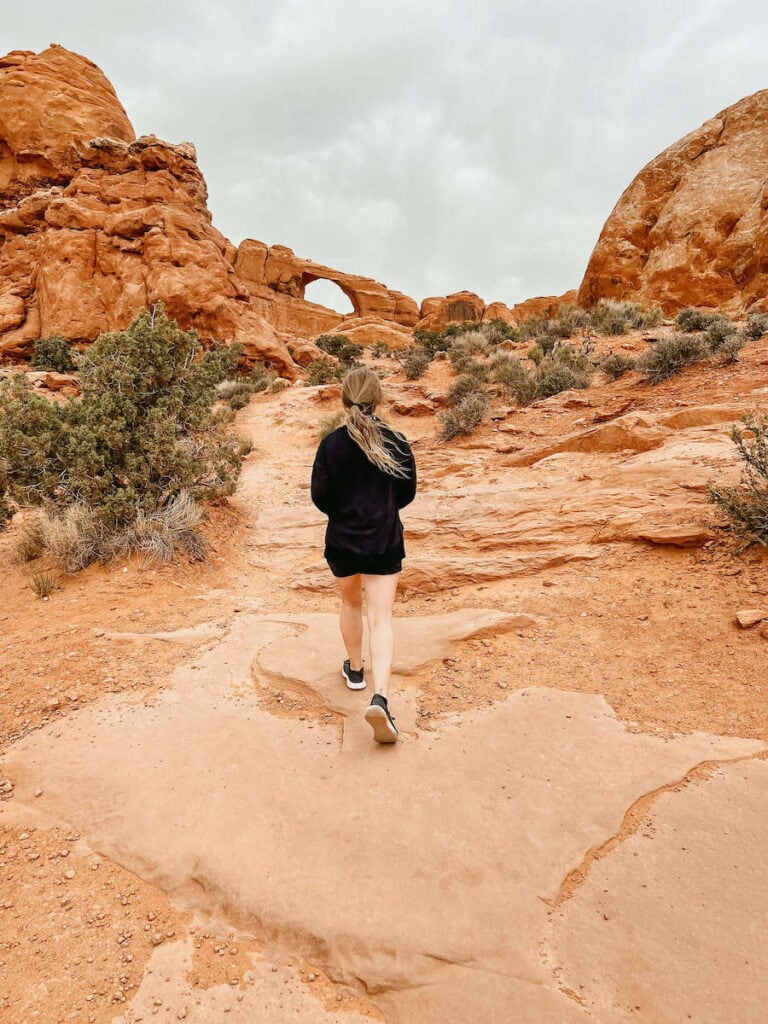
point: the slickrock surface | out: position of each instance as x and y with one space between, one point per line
571 828
692 228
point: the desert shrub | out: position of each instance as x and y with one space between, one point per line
616 365
614 317
693 319
756 326
6 512
717 331
30 544
730 348
42 584
461 349
670 355
415 362
535 353
381 349
52 353
332 344
464 385
498 330
517 382
260 377
143 429
328 424
465 416
554 376
236 393
746 504
432 341
568 320
323 370
339 345
280 383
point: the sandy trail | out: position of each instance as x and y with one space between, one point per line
488 867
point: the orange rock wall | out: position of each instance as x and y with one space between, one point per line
692 228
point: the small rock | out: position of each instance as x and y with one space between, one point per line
751 616
38 792
69 874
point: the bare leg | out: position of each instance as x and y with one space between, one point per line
351 618
380 599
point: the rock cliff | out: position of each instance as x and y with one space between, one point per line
692 228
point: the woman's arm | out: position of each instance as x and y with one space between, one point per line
405 489
320 488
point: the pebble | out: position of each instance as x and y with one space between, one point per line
38 792
69 874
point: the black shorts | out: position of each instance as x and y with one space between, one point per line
342 569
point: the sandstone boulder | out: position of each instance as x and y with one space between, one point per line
95 224
692 228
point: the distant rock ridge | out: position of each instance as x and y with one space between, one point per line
95 223
692 228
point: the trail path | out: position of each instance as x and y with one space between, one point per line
523 854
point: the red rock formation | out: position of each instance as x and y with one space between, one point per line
95 225
543 305
692 228
276 278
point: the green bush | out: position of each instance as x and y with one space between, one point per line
616 365
613 317
568 320
757 325
260 377
554 376
432 341
693 319
670 355
718 330
381 350
341 347
143 429
323 370
518 383
53 353
415 362
497 330
466 384
465 416
730 348
746 504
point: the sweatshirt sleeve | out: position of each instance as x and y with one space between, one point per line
405 489
320 488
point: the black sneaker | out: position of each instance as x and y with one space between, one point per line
355 679
378 717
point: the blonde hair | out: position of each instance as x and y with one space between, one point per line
361 393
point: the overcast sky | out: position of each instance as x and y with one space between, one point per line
434 145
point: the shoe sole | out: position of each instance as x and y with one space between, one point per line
350 684
383 730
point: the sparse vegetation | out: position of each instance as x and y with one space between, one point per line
339 346
42 584
616 365
693 319
670 355
466 384
415 362
612 317
465 416
30 544
381 350
52 353
746 504
113 464
756 326
323 370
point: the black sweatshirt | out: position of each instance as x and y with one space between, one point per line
361 500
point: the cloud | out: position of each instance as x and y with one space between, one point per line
436 146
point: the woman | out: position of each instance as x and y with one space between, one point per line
363 473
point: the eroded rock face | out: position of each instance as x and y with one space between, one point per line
95 224
692 228
276 278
